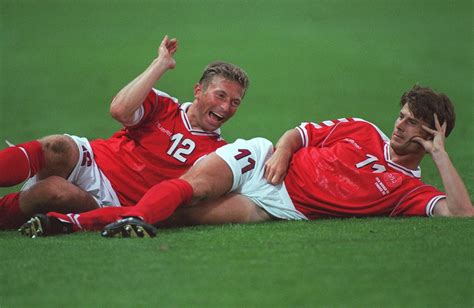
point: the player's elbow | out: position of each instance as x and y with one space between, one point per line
118 112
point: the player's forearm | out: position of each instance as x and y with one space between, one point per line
290 142
130 98
458 201
276 167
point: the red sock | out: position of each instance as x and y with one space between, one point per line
162 200
94 220
20 162
11 216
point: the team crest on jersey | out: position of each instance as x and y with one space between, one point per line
392 180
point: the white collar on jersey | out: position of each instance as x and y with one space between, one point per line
415 173
184 108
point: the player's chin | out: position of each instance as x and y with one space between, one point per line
395 144
212 126
399 147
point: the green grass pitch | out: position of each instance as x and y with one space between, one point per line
62 62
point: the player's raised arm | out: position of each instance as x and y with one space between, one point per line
457 202
130 98
276 166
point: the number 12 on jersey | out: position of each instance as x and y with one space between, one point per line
181 147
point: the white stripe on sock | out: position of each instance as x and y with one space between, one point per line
29 164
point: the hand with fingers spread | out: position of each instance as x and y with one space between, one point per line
131 97
457 202
436 143
167 49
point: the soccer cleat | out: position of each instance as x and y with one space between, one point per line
36 226
129 227
42 225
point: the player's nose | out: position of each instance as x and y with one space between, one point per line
400 124
225 106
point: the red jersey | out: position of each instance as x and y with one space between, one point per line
162 145
345 170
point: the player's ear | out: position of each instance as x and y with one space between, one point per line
197 90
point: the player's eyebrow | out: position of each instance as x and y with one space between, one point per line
410 117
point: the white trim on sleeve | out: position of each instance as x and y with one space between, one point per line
137 117
303 134
432 204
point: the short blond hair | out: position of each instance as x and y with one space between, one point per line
226 70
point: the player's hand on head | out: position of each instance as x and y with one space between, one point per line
438 137
276 167
167 49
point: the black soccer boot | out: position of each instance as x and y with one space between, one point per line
42 225
129 227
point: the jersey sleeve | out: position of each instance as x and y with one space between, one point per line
420 201
314 134
153 103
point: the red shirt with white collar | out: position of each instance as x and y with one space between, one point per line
160 145
345 170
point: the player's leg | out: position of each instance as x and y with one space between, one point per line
61 155
209 179
56 194
230 208
239 168
18 163
52 155
51 194
86 187
11 215
54 223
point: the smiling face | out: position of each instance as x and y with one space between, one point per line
214 103
407 127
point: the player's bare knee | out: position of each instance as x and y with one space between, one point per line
44 195
201 188
55 189
60 154
210 178
57 146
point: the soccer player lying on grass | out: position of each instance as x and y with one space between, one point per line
340 168
161 139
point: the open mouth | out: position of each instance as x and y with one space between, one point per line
216 116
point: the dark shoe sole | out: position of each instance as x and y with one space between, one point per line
129 227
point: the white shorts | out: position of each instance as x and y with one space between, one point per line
246 159
87 176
